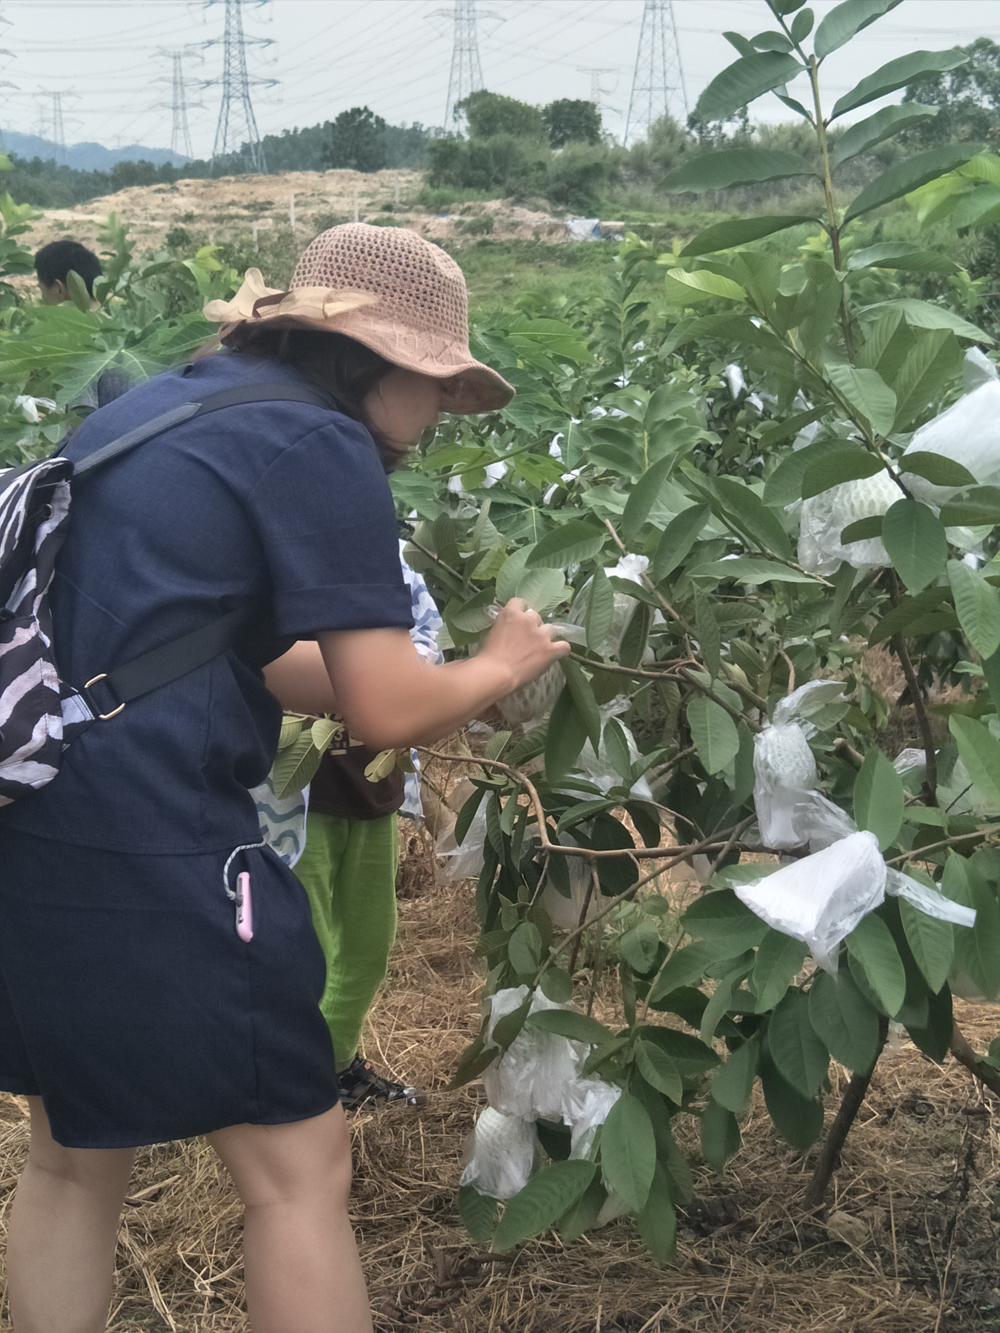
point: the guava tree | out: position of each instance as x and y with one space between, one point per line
713 492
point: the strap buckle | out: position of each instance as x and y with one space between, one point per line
103 717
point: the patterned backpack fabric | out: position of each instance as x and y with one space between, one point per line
40 714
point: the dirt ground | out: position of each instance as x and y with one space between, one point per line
225 206
918 1186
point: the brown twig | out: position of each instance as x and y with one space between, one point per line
965 1055
836 1137
791 671
945 842
592 887
923 721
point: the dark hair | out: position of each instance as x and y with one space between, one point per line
54 261
346 369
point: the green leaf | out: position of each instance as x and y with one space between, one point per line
844 20
929 367
575 1026
909 174
583 1214
583 697
636 635
802 25
779 959
750 569
784 485
539 1205
916 543
564 737
713 732
686 288
687 965
709 634
978 606
753 516
937 469
600 610
741 231
833 469
871 943
640 946
931 942
644 495
865 529
878 798
657 1223
733 1084
844 1020
796 1118
744 81
927 315
733 166
980 753
977 949
900 73
295 767
720 1135
799 1055
525 949
659 1070
901 255
867 392
628 1152
676 541
724 921
566 545
865 134
978 507
478 1213
909 612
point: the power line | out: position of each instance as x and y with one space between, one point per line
466 73
236 133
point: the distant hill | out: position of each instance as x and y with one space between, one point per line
86 156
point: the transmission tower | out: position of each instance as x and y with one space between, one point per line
466 74
658 83
180 135
236 134
597 93
57 127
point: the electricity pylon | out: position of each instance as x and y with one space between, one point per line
658 83
180 134
236 133
466 73
57 126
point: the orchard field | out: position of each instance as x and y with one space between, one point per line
711 955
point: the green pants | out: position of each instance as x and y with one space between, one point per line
348 869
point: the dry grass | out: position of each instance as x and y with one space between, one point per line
921 1171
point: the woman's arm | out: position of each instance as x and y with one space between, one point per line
299 680
391 698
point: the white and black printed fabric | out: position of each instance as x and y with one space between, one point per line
34 512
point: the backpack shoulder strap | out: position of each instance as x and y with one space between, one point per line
172 660
249 393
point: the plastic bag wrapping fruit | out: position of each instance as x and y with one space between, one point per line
586 1104
968 432
505 1150
528 1079
825 516
784 767
820 899
465 860
565 911
927 900
596 767
631 568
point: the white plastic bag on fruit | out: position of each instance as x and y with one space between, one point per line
968 432
596 767
504 1152
529 703
529 1078
565 912
586 1104
465 859
927 900
784 767
825 516
629 567
820 899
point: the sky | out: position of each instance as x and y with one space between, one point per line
105 57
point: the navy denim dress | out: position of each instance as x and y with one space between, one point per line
127 999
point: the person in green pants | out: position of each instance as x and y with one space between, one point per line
348 869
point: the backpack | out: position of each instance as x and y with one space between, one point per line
40 714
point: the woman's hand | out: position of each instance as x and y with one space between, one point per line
521 643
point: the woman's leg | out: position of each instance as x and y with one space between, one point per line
63 1230
348 871
303 1274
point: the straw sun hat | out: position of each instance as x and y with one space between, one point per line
387 288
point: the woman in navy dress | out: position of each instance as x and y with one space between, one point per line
138 1003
